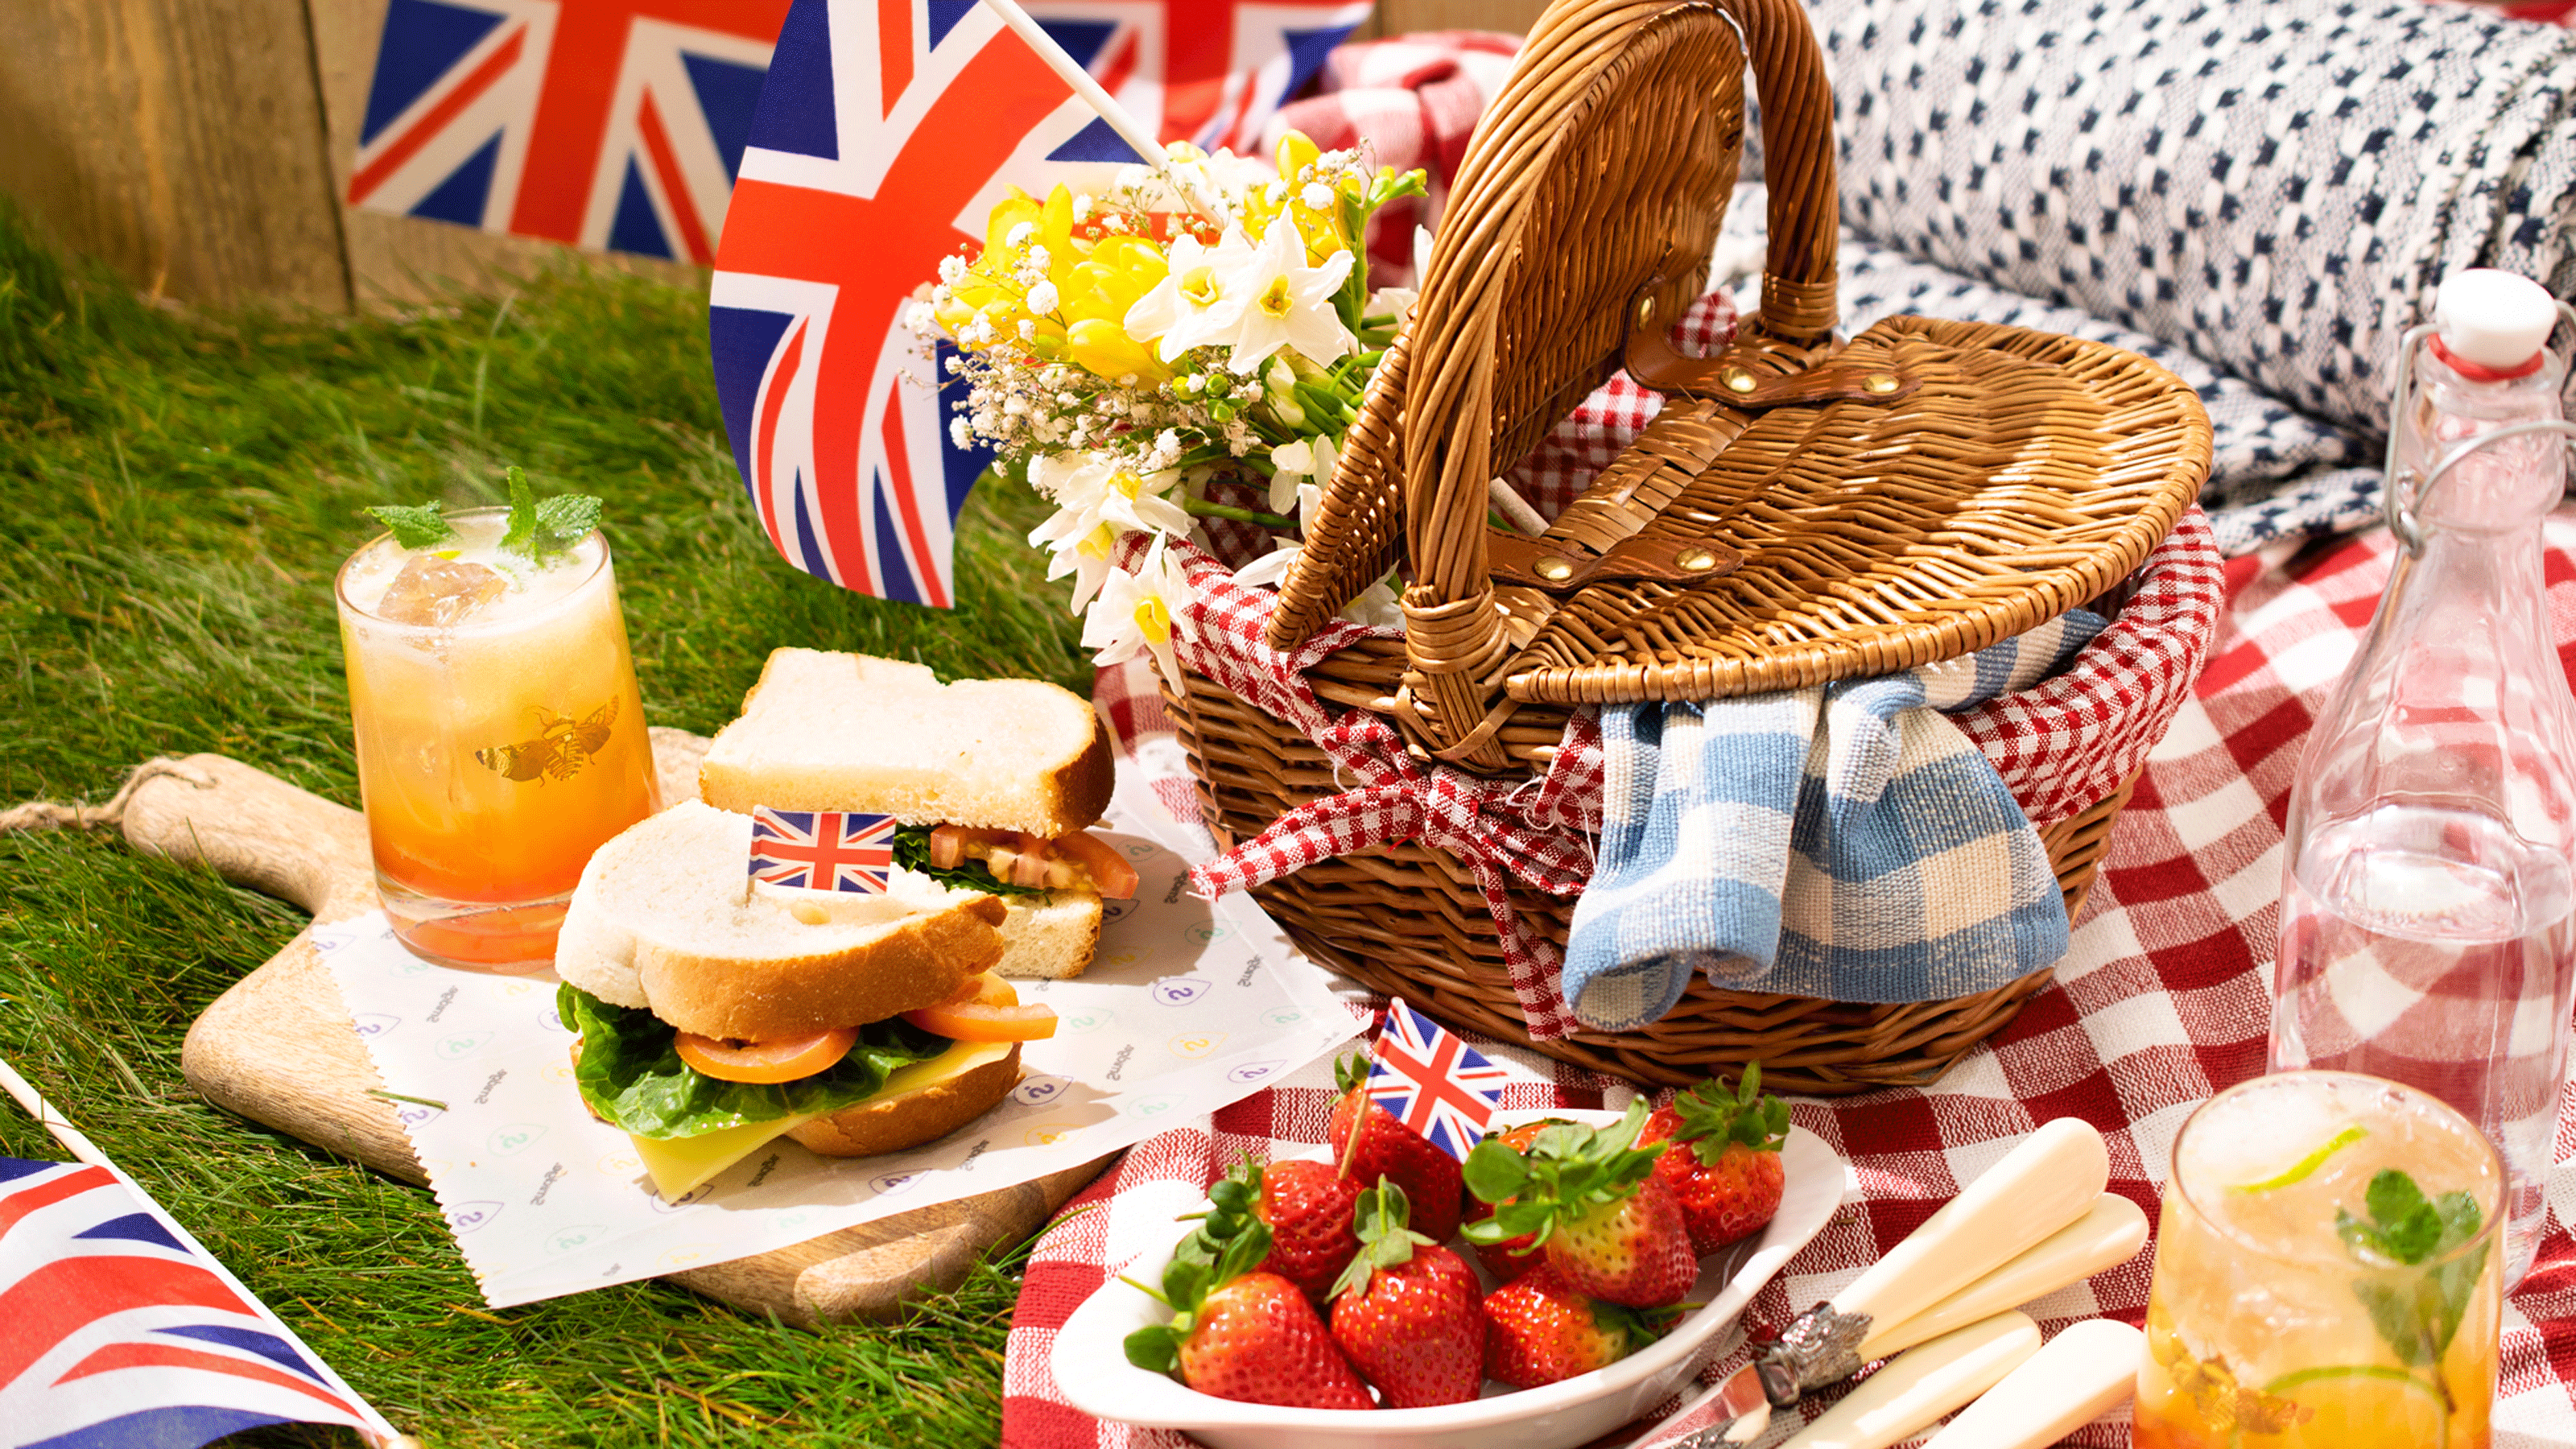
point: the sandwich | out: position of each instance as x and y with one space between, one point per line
717 1013
996 783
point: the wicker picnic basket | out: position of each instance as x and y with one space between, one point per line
1802 509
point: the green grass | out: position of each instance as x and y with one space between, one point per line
175 493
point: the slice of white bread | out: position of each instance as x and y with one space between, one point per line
892 1122
824 731
1049 937
662 919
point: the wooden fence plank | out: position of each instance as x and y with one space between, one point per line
178 140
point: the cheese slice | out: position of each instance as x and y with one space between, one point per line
681 1165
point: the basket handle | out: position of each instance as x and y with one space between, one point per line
1455 642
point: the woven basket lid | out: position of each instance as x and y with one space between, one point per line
1801 510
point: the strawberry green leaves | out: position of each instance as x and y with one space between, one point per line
1712 1118
416 526
1229 1243
1380 1218
1566 1171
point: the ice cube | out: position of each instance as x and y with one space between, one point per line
437 592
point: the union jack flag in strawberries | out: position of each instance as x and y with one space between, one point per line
115 1332
1432 1082
823 850
614 125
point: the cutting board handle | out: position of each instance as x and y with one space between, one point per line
254 830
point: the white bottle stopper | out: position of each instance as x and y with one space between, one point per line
2493 318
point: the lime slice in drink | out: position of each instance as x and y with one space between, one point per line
2360 1405
2298 1171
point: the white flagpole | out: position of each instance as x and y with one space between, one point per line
1148 150
80 1146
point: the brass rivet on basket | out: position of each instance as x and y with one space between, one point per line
1645 310
1695 561
1554 570
1879 382
1737 380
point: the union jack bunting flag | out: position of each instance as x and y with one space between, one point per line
823 850
1204 71
615 125
1432 1082
115 1332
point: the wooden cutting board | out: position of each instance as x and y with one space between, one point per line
279 1048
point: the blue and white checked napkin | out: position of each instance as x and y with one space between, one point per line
1841 841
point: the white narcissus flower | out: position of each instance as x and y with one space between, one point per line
1097 499
1139 613
1197 300
1377 607
1270 572
1286 303
1293 464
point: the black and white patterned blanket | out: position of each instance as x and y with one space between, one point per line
2259 195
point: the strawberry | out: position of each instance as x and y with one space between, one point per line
1237 1332
1407 1311
1538 1331
1308 1207
1725 1168
1515 1255
1605 1227
1370 1143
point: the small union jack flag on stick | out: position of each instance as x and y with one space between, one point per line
1432 1082
823 850
118 1330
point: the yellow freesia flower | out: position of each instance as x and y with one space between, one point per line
1321 226
1102 345
1119 270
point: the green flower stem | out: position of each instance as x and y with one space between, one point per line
1200 507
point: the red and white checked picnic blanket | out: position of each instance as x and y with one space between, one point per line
2163 999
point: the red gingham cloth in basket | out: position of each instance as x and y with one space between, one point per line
2162 1000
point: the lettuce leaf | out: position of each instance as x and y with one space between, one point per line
912 852
630 1072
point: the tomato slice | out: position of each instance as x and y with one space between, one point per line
1110 873
783 1060
986 1010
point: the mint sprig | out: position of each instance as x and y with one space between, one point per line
2419 1317
540 530
1567 1171
414 526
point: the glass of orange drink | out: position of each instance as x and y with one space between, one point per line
500 736
2326 1273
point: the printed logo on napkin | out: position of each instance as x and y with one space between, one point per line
1190 1006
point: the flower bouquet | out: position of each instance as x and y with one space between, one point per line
1187 349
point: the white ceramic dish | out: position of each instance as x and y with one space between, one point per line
1092 1369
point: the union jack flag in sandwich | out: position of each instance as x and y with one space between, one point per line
115 1331
823 850
1432 1082
613 125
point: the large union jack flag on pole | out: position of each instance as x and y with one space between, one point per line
886 132
614 125
116 1329
823 850
1432 1082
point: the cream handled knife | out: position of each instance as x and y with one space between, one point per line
2082 1374
2041 1186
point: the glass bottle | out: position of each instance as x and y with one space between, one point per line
2428 914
